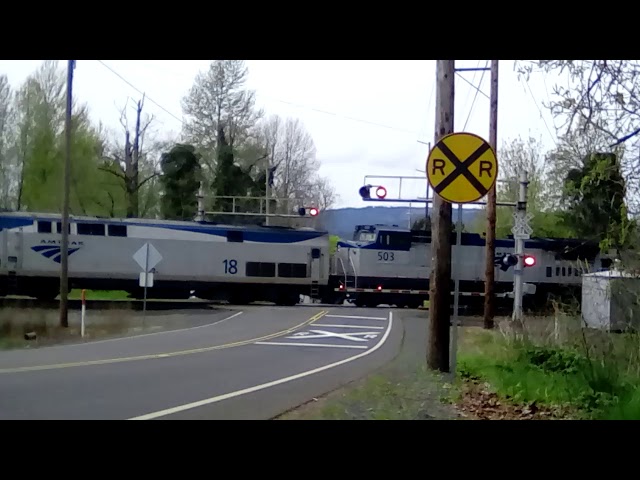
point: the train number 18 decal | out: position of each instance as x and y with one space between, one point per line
230 266
385 256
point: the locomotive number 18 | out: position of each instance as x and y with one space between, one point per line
385 256
230 266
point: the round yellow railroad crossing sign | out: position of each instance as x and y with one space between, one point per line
462 167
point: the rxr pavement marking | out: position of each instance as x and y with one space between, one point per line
345 336
314 334
347 326
356 317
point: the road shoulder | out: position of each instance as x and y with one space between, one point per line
400 389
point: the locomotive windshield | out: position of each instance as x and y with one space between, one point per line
366 237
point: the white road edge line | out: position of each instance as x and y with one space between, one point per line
237 393
347 326
295 344
353 316
131 337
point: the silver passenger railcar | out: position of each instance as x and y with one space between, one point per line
235 263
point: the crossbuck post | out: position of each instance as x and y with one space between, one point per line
520 224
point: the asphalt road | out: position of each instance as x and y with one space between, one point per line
252 364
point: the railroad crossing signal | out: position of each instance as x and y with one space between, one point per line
462 167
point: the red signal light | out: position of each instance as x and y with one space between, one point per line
379 288
313 212
381 192
529 261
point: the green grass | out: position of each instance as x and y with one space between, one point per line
406 390
99 294
596 384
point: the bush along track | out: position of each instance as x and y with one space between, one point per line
507 378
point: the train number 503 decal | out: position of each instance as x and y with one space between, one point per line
385 256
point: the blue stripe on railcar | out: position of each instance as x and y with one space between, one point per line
15 222
250 234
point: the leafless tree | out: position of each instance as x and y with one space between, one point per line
128 163
517 155
291 149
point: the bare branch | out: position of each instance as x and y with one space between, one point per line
112 172
154 175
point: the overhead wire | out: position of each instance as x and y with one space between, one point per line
478 89
540 112
140 91
306 107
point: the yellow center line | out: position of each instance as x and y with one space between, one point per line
164 355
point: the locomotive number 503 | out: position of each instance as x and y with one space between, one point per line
385 256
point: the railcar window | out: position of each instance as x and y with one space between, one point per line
44 227
117 230
557 271
292 270
564 272
395 240
96 229
59 227
569 270
549 271
235 236
260 269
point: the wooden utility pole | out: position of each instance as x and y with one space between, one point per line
440 284
64 244
489 275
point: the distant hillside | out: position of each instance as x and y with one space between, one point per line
342 221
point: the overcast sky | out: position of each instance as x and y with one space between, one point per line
366 117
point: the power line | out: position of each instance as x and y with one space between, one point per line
326 112
540 111
473 86
473 81
355 119
139 91
476 96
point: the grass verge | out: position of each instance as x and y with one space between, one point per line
383 396
15 323
403 389
99 295
556 365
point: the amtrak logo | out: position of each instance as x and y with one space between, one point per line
54 252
